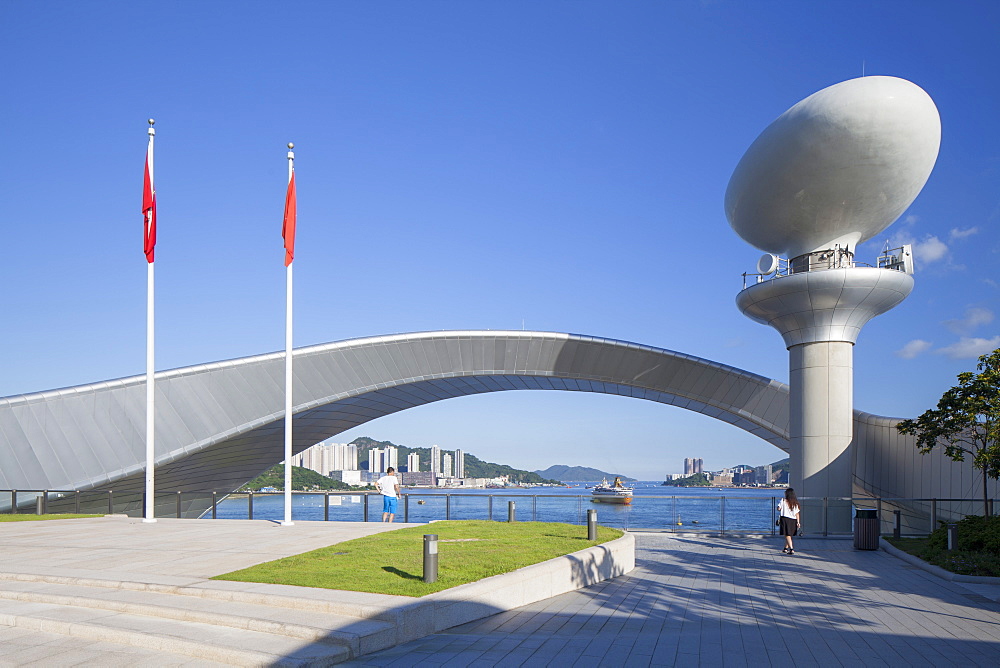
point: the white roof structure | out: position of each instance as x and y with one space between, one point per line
221 424
837 168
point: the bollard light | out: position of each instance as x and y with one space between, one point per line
952 537
592 524
430 557
511 512
897 525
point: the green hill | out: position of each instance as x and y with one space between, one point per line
578 473
696 480
780 465
302 479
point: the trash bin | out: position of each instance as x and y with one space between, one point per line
866 529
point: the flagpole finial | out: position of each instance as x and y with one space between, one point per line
291 145
151 131
151 121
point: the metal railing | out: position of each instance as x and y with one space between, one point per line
896 259
722 515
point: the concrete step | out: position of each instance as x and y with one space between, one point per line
357 635
36 649
206 641
346 603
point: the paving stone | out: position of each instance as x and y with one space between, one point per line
691 601
733 602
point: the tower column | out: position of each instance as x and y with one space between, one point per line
821 428
832 172
819 314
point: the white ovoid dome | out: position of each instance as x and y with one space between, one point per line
837 168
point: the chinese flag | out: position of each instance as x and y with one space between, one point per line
148 213
288 227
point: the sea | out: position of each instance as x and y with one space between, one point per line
653 508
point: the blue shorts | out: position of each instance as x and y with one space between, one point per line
389 504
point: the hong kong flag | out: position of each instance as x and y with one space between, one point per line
288 227
148 210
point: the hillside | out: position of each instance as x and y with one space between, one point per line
696 480
474 467
302 479
578 473
780 465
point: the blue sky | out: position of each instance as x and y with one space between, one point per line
467 165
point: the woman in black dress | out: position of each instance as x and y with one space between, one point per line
789 520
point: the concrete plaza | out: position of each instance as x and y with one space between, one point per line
735 602
117 592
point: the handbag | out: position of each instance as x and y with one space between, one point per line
777 522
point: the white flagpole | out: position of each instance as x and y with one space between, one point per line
150 365
288 370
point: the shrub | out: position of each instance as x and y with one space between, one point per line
978 550
975 534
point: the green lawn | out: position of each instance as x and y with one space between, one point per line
35 518
392 562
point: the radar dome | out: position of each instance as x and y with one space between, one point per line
837 168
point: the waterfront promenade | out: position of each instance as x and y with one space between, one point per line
691 601
700 601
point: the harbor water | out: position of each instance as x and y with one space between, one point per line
654 507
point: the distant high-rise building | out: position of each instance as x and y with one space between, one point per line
380 459
446 465
325 457
375 460
459 464
763 474
413 462
692 466
435 459
342 456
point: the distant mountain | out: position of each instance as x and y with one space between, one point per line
579 473
780 465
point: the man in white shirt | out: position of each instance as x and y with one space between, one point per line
388 487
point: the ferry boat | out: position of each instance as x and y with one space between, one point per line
613 493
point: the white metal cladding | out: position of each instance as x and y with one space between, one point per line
888 464
219 425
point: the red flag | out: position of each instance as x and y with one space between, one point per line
288 227
148 212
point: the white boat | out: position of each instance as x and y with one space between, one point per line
616 492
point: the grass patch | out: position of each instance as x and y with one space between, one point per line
36 518
392 562
978 550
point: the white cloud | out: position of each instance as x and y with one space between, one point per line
931 249
974 317
970 348
913 348
990 282
962 234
